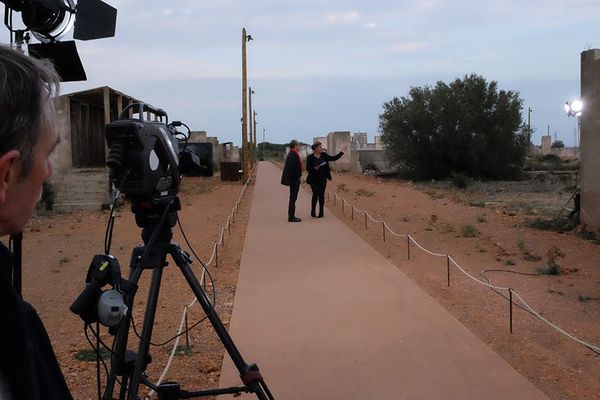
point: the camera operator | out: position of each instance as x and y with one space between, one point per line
28 135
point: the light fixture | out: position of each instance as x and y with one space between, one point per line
574 108
51 20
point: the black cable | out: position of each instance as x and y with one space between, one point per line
111 217
199 260
98 359
167 341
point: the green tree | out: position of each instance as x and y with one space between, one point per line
559 144
468 126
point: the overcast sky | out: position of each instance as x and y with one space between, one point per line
320 66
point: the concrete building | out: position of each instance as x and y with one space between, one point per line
566 153
80 177
590 138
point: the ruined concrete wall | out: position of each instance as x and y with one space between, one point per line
566 152
546 144
590 138
379 144
359 141
198 137
336 142
64 160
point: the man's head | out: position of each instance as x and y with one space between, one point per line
28 135
294 145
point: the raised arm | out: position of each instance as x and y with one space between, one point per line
327 157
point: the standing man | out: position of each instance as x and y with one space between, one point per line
28 135
292 172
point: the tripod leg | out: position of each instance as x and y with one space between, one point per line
249 373
120 346
140 363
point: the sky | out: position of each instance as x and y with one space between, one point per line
322 66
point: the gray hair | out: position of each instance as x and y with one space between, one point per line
293 144
27 86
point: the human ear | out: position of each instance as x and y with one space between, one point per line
8 172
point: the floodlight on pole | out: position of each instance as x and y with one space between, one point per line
574 108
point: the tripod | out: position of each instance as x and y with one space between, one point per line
157 219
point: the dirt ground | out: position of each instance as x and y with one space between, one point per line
479 237
57 253
533 198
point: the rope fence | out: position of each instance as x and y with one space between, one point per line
512 295
214 257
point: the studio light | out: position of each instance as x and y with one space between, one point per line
51 20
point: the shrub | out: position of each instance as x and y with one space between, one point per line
461 181
469 230
448 127
364 192
552 266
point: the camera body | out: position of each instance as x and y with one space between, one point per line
143 157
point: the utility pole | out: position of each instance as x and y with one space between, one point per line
255 146
263 146
251 150
245 165
529 123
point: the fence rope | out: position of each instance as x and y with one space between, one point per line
187 307
451 260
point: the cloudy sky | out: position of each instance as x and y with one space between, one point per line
319 66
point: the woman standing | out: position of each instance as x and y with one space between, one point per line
317 165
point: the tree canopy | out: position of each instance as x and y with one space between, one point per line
468 126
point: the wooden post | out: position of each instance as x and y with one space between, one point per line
250 145
245 165
366 220
187 336
408 246
119 105
106 103
216 255
343 207
254 141
352 213
383 230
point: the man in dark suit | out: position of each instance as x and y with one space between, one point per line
292 172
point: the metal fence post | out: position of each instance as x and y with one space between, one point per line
366 220
352 213
408 247
510 308
448 268
383 230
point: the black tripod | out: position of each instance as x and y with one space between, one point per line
157 220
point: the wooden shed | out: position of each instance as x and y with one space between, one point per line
80 178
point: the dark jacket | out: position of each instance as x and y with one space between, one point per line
28 367
323 172
292 170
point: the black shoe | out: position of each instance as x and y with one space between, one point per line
320 215
294 219
314 215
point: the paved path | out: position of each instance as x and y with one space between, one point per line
327 317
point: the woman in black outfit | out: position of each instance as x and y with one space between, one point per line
317 165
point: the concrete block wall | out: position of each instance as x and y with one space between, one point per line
590 138
340 141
